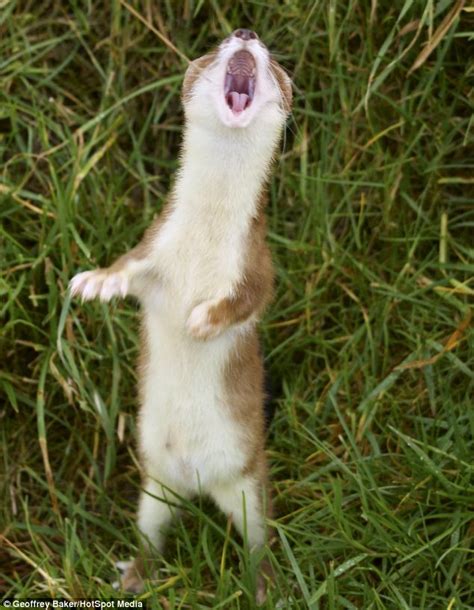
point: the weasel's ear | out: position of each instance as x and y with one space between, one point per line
284 83
193 72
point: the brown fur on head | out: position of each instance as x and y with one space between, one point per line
193 72
284 82
237 83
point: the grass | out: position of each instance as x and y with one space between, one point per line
371 221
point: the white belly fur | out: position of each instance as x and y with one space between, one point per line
188 439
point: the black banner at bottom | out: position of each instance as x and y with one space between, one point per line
48 603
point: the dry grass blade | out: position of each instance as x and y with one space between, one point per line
4 190
51 581
438 36
152 28
451 343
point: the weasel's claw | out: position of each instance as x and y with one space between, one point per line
100 283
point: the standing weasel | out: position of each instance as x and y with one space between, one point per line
203 275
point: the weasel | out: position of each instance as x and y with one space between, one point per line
203 276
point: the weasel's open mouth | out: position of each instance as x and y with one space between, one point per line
239 85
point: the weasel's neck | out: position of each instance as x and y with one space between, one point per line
225 171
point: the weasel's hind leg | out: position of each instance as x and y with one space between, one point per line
247 502
157 507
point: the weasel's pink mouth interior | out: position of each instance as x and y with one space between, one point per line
239 85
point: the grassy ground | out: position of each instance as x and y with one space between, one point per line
371 223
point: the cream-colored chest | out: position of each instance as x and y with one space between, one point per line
201 253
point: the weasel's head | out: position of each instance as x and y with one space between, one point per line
237 85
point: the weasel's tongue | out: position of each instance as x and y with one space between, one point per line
237 101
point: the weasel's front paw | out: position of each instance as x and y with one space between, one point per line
202 324
131 579
100 283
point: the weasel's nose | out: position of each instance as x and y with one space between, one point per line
245 34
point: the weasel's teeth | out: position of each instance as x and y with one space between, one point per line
242 63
